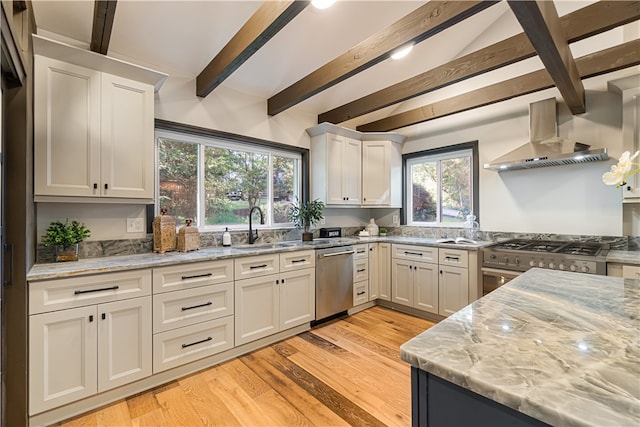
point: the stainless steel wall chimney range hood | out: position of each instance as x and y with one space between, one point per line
545 148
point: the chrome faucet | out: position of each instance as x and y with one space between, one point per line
252 237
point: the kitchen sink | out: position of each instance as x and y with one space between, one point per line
273 245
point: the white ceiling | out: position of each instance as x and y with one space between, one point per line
181 37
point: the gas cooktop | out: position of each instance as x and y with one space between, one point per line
522 254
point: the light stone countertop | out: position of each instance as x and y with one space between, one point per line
624 257
561 347
149 260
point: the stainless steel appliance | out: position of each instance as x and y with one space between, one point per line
506 260
334 281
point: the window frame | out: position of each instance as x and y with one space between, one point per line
194 134
442 153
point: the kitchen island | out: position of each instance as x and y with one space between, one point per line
549 347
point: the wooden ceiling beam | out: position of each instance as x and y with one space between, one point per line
541 24
586 22
602 62
417 26
271 17
104 12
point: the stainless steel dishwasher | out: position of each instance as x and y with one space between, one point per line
334 281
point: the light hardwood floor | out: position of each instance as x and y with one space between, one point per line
346 372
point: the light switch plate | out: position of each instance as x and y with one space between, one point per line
395 220
135 225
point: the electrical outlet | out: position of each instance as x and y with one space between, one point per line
323 221
395 220
135 225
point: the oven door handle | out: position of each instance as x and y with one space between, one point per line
500 273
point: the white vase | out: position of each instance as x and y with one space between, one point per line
372 228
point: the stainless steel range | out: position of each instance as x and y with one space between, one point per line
505 260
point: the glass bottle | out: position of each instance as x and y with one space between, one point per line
471 227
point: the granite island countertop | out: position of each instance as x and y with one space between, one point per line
150 260
624 257
561 347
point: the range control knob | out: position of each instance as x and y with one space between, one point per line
532 263
561 266
552 265
573 267
541 264
506 260
516 261
585 269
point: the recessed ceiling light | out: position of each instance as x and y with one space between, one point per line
402 51
322 4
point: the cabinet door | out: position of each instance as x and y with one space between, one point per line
256 308
297 293
453 289
351 172
631 272
62 357
402 284
425 286
66 129
335 195
631 137
384 270
124 342
127 138
374 273
376 177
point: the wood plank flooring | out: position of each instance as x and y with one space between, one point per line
346 372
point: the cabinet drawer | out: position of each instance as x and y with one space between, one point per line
631 272
360 293
416 253
454 257
188 276
360 270
183 345
361 251
297 260
58 294
173 310
255 266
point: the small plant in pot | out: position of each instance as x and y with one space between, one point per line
65 238
306 214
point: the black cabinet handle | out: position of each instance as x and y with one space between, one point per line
440 271
411 267
293 261
361 270
88 291
104 316
95 185
412 253
195 276
91 318
106 186
370 249
283 281
361 293
196 306
452 258
197 342
277 282
257 266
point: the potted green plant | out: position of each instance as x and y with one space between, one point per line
383 231
65 238
306 214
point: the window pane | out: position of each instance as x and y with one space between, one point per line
424 179
285 171
235 182
178 179
456 189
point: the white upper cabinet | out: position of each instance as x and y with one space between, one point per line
93 125
335 169
93 133
350 168
381 174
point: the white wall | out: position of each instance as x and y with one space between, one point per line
562 199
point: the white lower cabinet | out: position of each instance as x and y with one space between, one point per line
360 274
439 287
380 271
270 303
78 352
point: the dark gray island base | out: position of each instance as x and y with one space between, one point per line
438 403
550 347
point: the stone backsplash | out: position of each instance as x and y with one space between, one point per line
104 248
